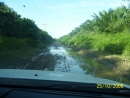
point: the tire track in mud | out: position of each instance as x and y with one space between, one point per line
43 61
53 58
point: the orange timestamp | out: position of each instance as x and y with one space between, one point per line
120 85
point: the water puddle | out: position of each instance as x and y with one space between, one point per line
63 59
65 63
97 70
69 61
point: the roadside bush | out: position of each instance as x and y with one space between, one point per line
117 43
113 43
114 48
14 43
127 51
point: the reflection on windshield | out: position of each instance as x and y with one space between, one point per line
98 46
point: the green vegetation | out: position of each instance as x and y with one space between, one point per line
118 43
19 36
107 32
105 40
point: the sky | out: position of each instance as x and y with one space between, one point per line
60 17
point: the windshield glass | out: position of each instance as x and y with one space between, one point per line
83 38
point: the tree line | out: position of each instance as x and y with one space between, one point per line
108 31
12 25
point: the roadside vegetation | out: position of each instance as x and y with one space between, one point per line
104 39
19 37
117 43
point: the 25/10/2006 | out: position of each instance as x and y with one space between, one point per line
110 86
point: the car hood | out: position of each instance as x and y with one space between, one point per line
52 75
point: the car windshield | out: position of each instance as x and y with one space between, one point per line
85 40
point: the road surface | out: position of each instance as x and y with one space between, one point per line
54 58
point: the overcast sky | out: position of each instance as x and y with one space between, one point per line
60 16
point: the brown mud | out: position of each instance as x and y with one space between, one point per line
40 61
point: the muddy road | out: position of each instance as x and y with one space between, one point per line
53 58
56 58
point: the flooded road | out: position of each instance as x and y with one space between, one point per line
59 58
65 63
54 58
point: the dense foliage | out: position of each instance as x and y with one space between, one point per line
17 32
108 31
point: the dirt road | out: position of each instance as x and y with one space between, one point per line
53 58
39 62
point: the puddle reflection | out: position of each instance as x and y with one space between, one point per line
65 63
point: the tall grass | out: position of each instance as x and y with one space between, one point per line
118 43
12 43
